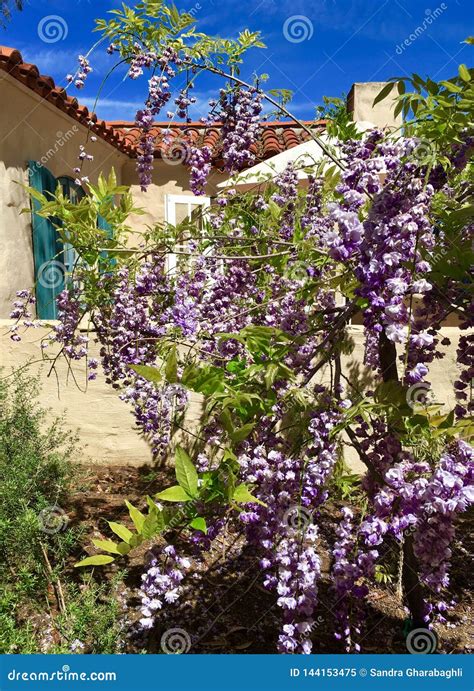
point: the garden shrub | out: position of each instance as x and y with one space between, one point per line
37 476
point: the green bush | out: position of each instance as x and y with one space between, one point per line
36 540
36 475
92 622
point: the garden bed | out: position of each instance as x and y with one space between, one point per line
225 608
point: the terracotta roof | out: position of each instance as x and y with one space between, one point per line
276 136
11 61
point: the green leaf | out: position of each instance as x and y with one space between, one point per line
206 380
383 93
186 473
243 432
154 522
106 545
452 87
171 369
124 533
448 422
135 540
226 420
149 373
199 524
242 495
398 108
469 40
175 493
464 73
97 560
124 549
137 517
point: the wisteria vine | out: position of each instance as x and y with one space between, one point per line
251 321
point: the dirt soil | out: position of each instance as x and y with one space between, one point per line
225 608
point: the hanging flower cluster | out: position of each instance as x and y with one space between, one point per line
273 267
21 312
161 585
239 115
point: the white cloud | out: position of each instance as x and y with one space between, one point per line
111 109
59 62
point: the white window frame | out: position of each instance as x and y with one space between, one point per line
170 216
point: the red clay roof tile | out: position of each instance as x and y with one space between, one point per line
12 63
275 136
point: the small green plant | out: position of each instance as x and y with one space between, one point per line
92 622
345 485
36 475
192 491
383 575
36 541
15 637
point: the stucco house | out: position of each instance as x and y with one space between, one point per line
41 130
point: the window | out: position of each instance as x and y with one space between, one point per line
180 208
74 193
47 248
53 261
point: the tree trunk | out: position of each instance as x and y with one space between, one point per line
411 583
412 586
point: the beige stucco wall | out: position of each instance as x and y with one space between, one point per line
166 179
33 129
360 102
105 423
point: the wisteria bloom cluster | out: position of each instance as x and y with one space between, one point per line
252 320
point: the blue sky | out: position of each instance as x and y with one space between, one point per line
314 47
